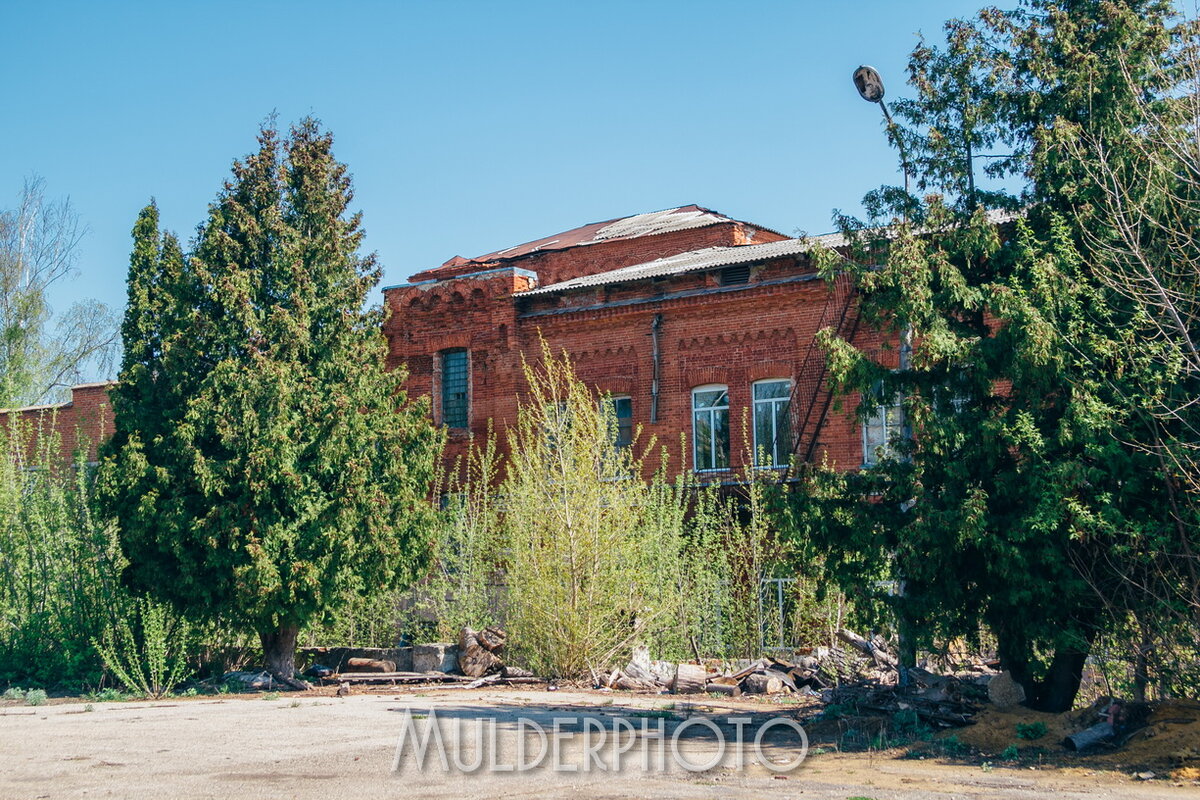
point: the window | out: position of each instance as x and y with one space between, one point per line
880 430
710 427
622 410
454 388
772 431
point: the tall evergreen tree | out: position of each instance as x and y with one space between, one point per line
1017 503
264 461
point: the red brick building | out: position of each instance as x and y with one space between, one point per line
693 322
81 423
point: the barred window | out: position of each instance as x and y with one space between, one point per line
454 388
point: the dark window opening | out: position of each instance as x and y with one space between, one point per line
622 408
731 276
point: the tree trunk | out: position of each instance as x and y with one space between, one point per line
1056 693
279 655
1014 659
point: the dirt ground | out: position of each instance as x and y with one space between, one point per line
305 745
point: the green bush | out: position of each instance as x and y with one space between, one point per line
59 569
1031 731
35 697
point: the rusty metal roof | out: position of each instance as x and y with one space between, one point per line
694 261
650 224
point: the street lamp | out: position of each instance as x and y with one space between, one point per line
870 88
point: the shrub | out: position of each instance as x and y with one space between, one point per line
1031 730
59 568
35 697
152 662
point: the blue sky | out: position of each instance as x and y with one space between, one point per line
468 126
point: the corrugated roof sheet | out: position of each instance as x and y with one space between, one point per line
713 257
693 261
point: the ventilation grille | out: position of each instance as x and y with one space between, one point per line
731 276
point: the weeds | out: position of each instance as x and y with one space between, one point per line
151 662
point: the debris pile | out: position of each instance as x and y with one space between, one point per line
863 673
476 660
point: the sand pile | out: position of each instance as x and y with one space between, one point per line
995 730
1169 742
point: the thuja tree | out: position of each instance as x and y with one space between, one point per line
264 461
1017 502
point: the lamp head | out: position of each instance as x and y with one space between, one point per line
868 83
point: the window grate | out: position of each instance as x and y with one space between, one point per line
454 388
731 276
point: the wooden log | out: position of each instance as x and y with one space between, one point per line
750 670
727 689
369 665
761 683
783 677
689 679
861 644
492 639
395 677
510 671
635 684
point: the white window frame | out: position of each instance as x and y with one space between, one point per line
891 431
777 460
710 411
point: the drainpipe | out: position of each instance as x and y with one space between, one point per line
655 325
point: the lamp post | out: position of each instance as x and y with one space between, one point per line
870 87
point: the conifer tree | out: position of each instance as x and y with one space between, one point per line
264 462
1017 503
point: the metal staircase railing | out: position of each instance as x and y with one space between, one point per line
811 397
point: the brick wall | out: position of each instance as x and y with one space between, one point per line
708 334
81 423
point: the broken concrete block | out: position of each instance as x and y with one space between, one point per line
435 657
1004 692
